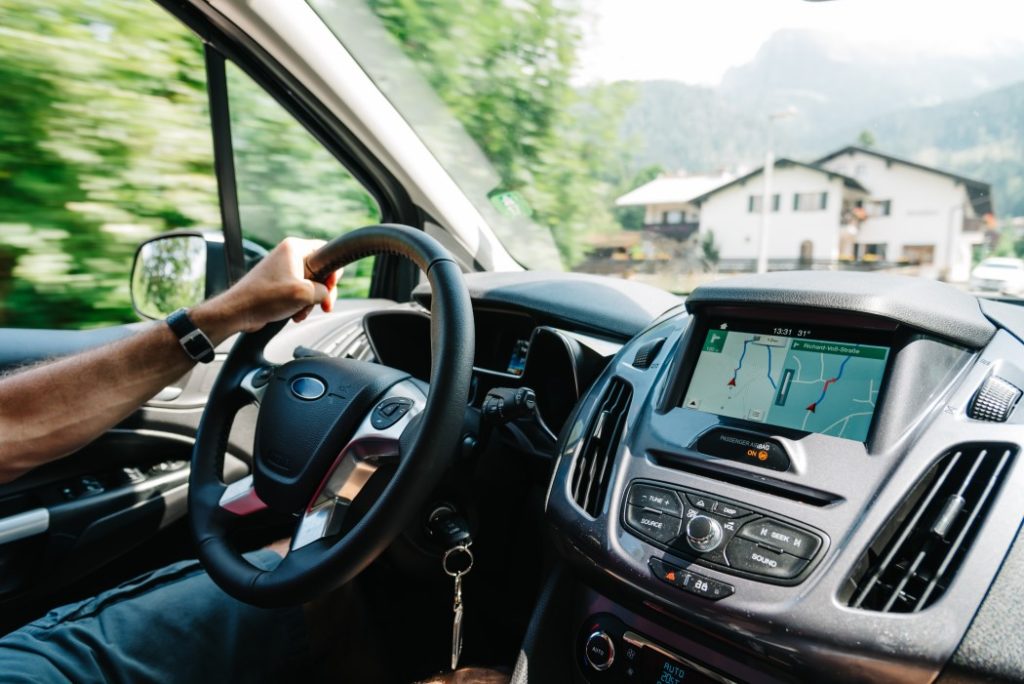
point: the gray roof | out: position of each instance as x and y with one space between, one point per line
979 192
784 163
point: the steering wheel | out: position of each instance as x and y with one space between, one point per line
325 425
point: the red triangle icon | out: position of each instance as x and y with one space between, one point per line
810 407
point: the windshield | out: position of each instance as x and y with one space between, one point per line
640 139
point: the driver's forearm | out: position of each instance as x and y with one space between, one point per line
52 410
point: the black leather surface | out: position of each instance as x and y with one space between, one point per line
993 648
600 304
921 303
326 564
298 439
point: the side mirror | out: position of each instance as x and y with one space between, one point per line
175 270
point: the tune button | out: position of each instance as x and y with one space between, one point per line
599 651
658 498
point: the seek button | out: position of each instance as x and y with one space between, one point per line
782 537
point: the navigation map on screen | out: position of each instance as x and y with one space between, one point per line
782 375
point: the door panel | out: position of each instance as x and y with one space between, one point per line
24 346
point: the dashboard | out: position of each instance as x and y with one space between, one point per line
809 476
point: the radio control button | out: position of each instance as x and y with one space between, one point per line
649 496
749 557
782 537
700 501
704 534
660 527
728 510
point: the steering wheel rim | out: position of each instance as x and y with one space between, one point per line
426 444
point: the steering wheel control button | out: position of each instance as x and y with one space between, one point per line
749 557
389 412
656 498
745 448
308 387
703 533
654 525
261 377
599 651
728 510
782 537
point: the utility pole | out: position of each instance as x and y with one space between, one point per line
766 193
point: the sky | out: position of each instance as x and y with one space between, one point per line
696 41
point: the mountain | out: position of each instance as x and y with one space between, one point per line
964 115
692 128
833 81
980 137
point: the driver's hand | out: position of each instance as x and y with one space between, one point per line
280 287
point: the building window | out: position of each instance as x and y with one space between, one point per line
810 201
754 203
672 218
880 208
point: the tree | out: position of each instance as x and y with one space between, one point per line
507 80
866 139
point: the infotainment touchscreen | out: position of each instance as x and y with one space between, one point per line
815 379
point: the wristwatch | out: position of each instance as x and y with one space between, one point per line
193 340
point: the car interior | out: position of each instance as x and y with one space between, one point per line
854 518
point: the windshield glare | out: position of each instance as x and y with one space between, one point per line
598 137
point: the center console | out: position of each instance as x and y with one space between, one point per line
792 478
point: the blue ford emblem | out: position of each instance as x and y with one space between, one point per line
307 387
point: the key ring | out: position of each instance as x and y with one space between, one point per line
448 554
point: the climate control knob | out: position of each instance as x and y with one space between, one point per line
599 651
703 533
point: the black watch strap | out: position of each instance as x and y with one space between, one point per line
193 340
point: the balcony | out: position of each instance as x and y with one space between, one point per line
676 231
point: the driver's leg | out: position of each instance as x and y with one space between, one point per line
171 625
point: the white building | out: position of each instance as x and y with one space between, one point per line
807 211
916 213
667 202
855 204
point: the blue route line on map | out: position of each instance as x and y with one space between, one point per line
839 375
739 364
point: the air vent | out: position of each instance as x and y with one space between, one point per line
348 342
915 558
594 465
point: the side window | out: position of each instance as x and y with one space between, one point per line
288 183
105 142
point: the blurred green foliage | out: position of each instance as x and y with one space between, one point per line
102 114
106 141
503 69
